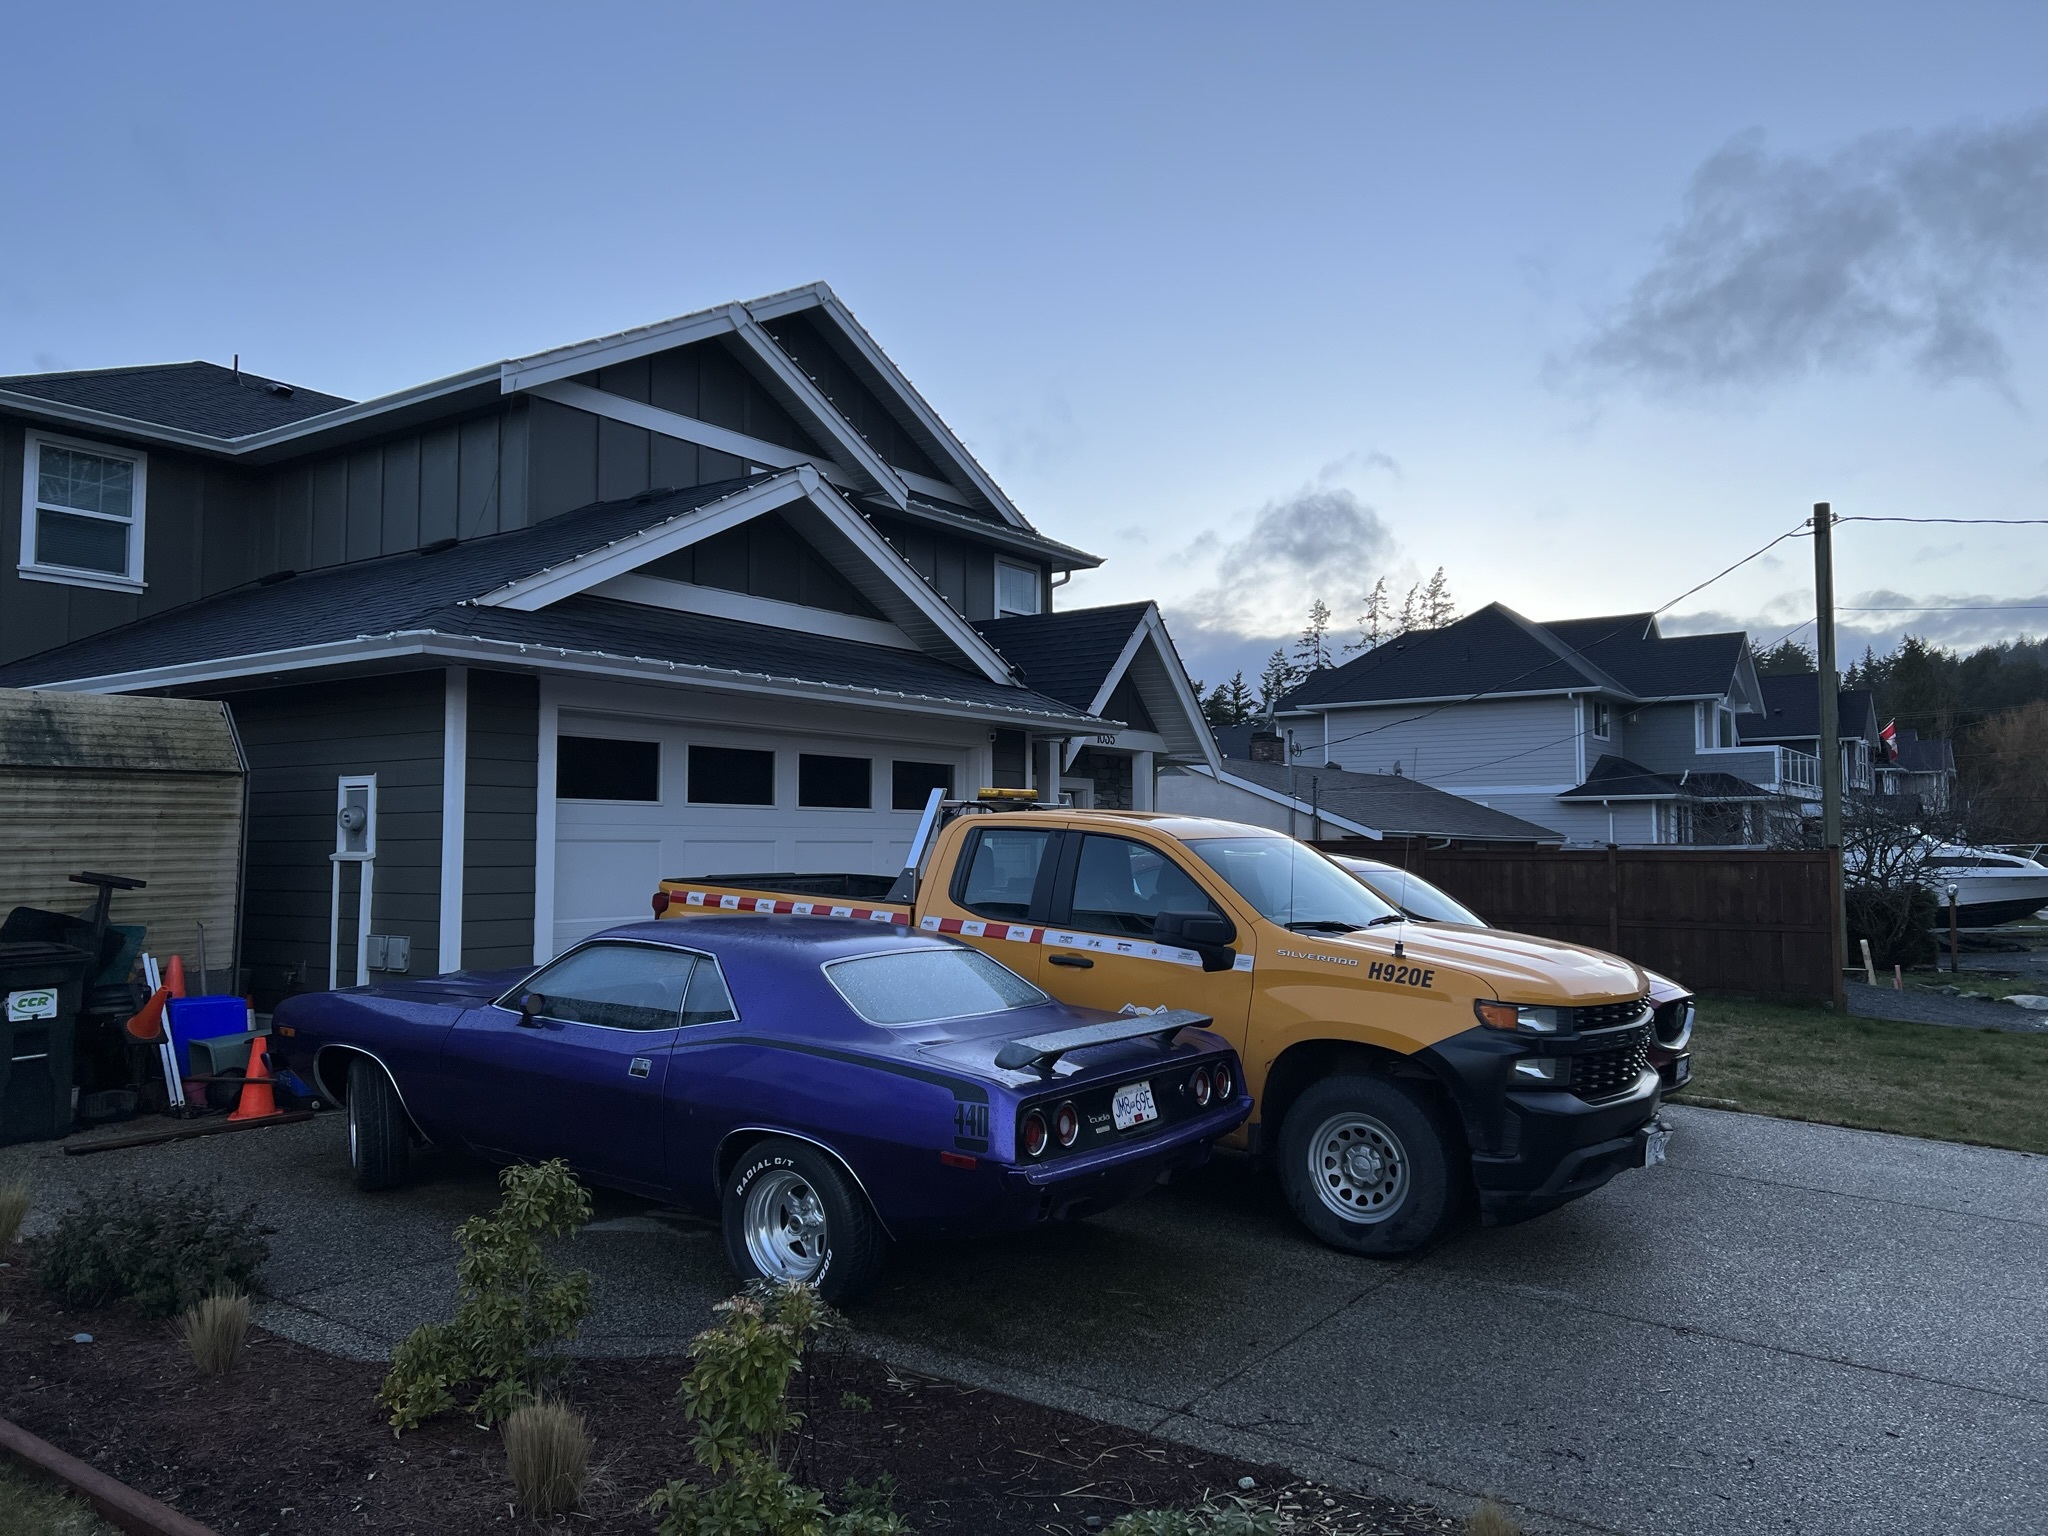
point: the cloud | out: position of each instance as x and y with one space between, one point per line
1913 245
1320 542
1879 619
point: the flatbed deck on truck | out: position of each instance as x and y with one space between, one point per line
1402 1072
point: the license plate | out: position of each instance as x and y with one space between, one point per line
1132 1105
1654 1138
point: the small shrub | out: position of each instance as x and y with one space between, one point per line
15 1198
167 1246
854 1402
547 1451
1491 1519
514 1307
214 1328
1232 1519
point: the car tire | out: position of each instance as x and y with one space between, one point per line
1367 1164
791 1213
379 1135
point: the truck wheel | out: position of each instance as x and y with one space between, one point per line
790 1213
379 1136
1365 1162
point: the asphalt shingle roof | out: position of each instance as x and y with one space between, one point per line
1067 654
421 592
1616 778
1389 803
1649 665
1792 710
192 397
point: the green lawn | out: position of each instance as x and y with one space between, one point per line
33 1506
1801 1061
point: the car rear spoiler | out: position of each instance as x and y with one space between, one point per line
1041 1051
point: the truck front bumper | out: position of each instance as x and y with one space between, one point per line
1536 1149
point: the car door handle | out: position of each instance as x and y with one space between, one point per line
1078 962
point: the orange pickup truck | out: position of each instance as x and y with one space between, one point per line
1403 1071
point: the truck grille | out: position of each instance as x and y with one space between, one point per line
1604 1073
1608 1015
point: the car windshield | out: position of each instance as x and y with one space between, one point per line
917 986
1293 885
1413 894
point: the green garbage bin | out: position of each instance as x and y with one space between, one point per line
41 985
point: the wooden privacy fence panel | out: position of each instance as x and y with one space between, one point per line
1715 919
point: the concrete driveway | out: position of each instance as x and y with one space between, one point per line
1787 1328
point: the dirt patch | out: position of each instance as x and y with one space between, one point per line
293 1441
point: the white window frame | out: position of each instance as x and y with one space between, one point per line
1599 722
1037 589
30 568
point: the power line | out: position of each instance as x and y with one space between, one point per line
1947 608
1967 522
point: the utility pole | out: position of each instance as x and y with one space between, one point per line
1830 730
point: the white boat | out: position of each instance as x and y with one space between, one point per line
1993 885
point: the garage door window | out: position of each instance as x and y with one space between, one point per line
841 783
731 776
599 768
911 784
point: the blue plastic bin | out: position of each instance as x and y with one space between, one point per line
205 1018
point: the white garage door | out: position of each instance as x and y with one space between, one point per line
638 802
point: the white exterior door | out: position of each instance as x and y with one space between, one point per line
635 804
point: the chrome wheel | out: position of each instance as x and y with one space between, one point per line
783 1226
355 1153
1359 1167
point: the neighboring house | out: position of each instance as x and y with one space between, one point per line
699 597
1924 772
1790 717
1321 803
1604 728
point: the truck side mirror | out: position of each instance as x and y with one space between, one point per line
1208 934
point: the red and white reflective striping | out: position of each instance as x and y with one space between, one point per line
729 903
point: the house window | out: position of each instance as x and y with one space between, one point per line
82 507
1596 718
1715 726
1018 589
842 783
731 776
600 768
911 784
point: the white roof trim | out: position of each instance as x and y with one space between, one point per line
519 373
1151 626
403 644
1274 797
799 392
689 429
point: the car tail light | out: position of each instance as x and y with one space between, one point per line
660 903
1034 1134
1201 1086
1066 1125
1223 1084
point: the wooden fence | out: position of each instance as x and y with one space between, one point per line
1715 919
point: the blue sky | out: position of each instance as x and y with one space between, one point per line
1581 302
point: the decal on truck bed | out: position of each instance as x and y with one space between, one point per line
730 903
1066 938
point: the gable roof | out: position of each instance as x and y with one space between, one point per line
1923 754
1496 652
425 603
196 397
1792 711
1382 804
1616 778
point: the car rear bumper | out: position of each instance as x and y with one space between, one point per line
1081 1186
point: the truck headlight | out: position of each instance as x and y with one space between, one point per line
1521 1018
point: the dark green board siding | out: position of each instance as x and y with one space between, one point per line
802 340
963 572
498 832
299 741
200 534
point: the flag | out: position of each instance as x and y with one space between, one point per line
1890 737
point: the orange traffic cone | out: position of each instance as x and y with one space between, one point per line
148 1023
174 977
257 1101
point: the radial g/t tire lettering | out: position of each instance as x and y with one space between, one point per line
791 1213
1368 1165
379 1135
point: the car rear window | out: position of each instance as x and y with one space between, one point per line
917 986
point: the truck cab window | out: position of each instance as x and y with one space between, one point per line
1121 885
1001 871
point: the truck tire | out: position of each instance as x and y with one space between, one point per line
379 1135
791 1213
1366 1163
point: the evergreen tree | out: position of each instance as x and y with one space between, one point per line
1276 679
1372 622
1789 658
1237 698
1437 607
1312 650
1409 619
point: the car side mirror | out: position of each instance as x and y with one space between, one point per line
531 1005
1208 934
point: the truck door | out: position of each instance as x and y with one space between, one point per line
1099 945
1002 887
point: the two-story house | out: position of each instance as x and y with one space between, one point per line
717 594
1790 717
1605 728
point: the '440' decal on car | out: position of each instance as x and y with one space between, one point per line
970 1121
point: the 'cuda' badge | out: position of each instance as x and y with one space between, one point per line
639 1067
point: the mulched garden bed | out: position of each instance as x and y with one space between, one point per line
293 1441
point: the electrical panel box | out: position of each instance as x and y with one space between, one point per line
390 952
